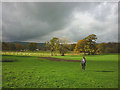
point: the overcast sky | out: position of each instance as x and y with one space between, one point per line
40 21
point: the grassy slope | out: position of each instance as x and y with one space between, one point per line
35 72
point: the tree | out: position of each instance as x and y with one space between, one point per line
91 44
52 45
32 46
63 46
101 48
107 48
72 47
80 46
10 46
47 46
19 47
87 45
57 45
4 46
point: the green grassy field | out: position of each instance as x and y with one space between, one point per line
33 72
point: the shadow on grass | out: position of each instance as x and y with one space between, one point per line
17 55
24 56
8 60
104 71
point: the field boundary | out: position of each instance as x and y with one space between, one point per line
59 59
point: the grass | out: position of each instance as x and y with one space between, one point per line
111 57
33 72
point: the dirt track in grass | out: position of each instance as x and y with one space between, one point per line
59 59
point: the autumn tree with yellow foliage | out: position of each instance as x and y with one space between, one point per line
86 45
80 46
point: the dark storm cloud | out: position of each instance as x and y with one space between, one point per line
23 21
41 21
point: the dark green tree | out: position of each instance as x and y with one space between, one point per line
52 45
63 46
32 46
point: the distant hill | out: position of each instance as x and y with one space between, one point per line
22 43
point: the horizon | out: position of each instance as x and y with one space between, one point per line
45 42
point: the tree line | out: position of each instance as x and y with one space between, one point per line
7 46
87 46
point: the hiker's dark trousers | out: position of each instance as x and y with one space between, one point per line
83 66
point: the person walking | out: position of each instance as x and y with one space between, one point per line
83 63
